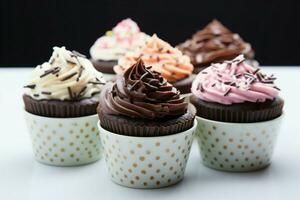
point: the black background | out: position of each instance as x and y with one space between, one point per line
29 29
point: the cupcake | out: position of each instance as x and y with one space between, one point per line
60 101
215 43
175 67
146 129
106 51
239 113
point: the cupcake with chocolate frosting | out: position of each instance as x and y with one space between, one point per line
138 100
175 67
215 43
60 101
239 113
105 52
146 129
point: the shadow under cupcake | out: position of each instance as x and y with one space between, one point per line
146 129
239 114
60 110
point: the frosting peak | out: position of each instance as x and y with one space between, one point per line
142 93
215 43
234 81
126 36
66 76
165 59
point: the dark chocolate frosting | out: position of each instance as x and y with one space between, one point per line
142 93
215 43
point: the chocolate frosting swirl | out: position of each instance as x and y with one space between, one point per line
215 43
142 93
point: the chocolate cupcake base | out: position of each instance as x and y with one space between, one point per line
61 109
147 128
240 113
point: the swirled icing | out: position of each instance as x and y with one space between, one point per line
66 76
165 59
126 36
142 93
215 43
234 81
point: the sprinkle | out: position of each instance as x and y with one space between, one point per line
47 72
168 51
71 62
36 95
276 88
157 59
80 72
94 93
248 75
81 92
200 87
50 71
228 82
267 81
227 92
96 83
203 72
46 93
256 71
213 85
133 85
160 49
70 92
69 76
52 61
144 75
32 86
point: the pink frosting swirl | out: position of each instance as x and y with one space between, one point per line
234 81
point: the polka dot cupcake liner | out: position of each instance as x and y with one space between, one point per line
64 141
146 162
237 146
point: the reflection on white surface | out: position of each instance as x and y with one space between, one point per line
23 178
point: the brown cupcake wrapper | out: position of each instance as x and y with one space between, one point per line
61 109
146 128
239 113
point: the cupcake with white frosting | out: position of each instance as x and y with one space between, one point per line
124 37
60 101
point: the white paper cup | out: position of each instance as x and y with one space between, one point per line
64 141
237 146
146 162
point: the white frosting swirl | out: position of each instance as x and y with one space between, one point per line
126 36
66 76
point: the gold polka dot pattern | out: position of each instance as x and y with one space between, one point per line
236 146
64 141
146 162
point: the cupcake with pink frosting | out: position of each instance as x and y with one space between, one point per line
239 112
124 37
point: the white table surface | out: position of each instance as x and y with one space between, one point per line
21 177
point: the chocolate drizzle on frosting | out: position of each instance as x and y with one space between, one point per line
215 43
66 76
142 93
